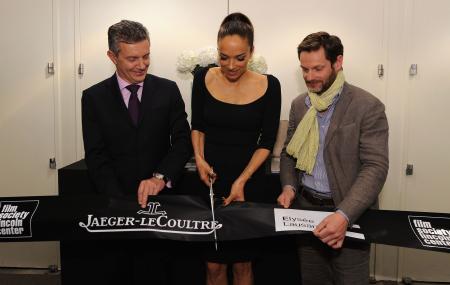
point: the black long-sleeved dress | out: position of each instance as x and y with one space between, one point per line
232 134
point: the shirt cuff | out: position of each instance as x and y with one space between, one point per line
167 181
339 211
291 188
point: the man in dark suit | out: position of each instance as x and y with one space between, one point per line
136 141
134 152
336 158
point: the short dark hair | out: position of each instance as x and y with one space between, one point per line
127 32
331 44
237 24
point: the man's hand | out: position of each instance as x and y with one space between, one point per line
286 197
332 230
148 187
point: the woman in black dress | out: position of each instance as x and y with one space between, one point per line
235 118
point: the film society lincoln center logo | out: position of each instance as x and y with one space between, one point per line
15 218
155 219
431 231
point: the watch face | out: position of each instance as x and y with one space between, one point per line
158 176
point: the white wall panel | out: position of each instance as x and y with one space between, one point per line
27 117
428 136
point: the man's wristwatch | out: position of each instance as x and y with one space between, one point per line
160 176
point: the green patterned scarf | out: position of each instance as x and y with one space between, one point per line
305 141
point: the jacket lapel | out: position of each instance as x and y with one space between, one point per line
339 112
147 98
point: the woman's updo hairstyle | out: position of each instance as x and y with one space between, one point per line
237 24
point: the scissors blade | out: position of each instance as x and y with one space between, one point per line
211 198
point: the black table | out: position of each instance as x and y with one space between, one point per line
277 265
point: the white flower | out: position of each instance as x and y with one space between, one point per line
187 61
207 56
257 64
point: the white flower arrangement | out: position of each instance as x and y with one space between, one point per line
186 61
257 64
189 61
207 56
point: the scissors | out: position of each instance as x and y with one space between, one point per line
212 177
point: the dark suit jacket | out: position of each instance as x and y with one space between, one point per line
118 154
355 154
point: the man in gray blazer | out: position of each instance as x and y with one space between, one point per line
335 158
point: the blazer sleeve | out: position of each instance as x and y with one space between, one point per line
374 157
97 159
288 174
180 149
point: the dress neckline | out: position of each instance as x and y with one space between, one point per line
232 104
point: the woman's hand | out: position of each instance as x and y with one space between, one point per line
237 192
205 171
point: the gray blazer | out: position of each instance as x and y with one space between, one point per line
355 154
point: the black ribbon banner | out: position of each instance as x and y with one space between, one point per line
189 218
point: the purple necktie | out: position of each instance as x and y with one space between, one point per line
133 103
